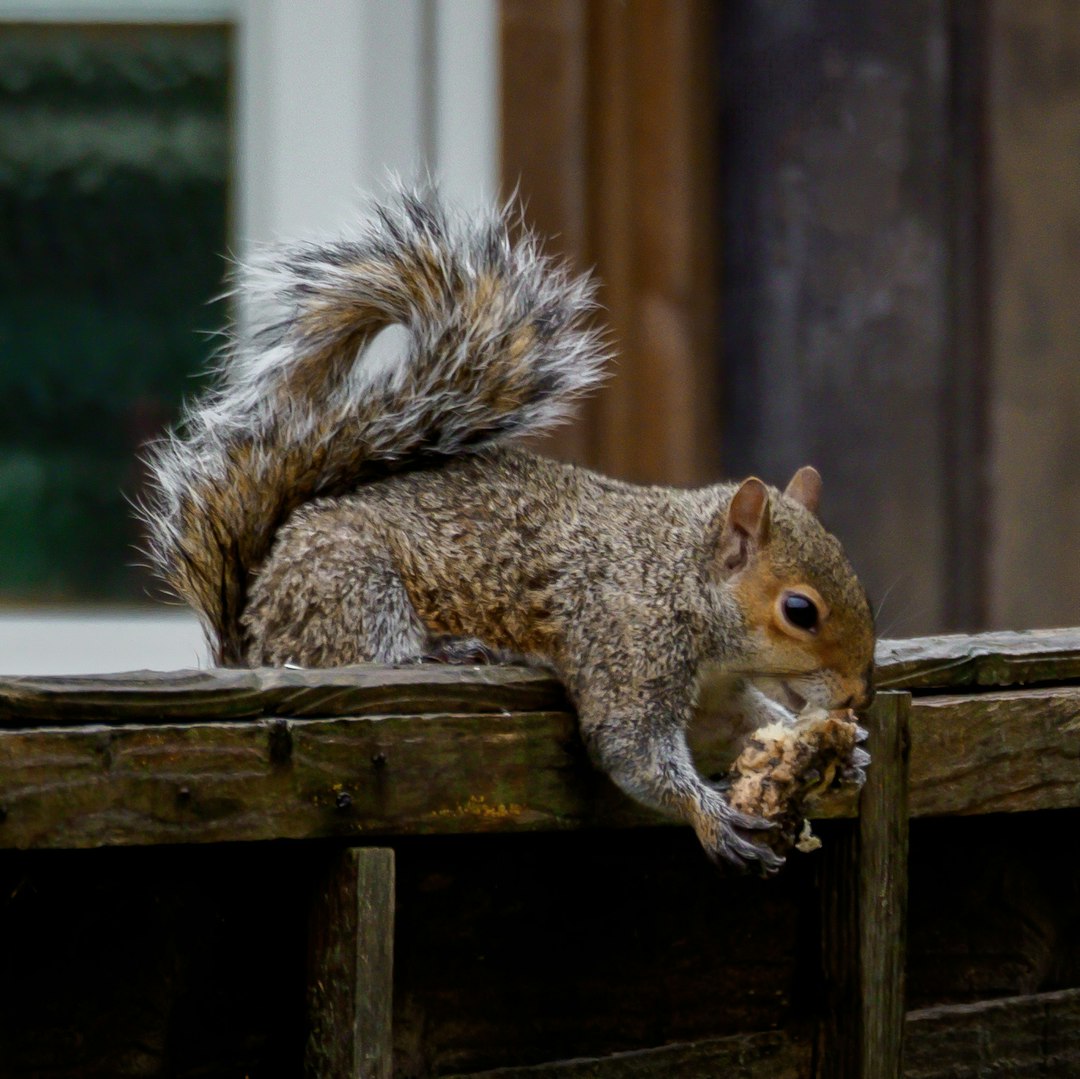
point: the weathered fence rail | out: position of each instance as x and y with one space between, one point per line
213 756
966 726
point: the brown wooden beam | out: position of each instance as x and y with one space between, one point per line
921 664
351 967
94 785
863 895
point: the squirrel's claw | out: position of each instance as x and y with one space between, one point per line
722 834
855 777
853 772
742 853
748 822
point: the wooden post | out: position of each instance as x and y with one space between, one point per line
883 886
350 980
863 912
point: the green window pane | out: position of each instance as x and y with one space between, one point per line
114 155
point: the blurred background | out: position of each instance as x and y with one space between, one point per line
843 232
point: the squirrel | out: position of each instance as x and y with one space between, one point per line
321 507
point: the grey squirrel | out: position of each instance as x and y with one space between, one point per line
318 508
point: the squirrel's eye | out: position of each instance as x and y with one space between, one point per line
800 611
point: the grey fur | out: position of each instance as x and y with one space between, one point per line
318 509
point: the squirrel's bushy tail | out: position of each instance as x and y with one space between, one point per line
498 345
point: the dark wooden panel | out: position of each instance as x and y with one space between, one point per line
992 909
1015 1038
1012 1039
839 1016
1034 131
835 239
189 961
771 1055
351 968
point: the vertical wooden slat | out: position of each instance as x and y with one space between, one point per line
836 293
351 953
967 521
863 895
839 1032
608 122
544 92
1034 164
883 884
653 212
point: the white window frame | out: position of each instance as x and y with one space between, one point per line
408 87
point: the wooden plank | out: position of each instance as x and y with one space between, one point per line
967 389
545 147
883 884
863 894
351 965
922 664
1008 751
229 695
768 1055
1012 1038
959 661
608 112
95 785
1034 174
835 234
839 1030
652 217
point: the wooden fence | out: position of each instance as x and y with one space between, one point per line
354 761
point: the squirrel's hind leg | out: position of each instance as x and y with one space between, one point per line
330 595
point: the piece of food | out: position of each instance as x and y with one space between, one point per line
782 766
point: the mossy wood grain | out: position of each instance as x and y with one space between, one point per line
277 778
241 755
93 785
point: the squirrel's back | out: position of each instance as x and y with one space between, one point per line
498 345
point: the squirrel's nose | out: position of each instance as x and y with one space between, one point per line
862 700
866 697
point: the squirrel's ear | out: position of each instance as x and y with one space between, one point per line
745 527
805 488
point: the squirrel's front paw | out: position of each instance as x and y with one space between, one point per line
735 838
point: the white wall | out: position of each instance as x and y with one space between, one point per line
337 94
332 95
